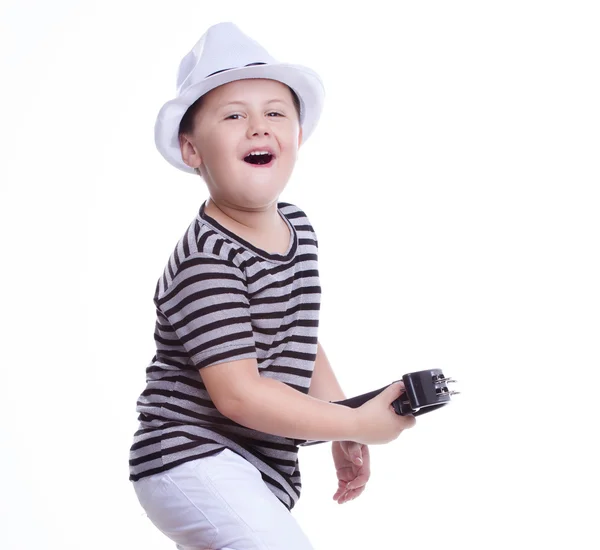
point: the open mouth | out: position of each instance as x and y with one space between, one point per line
259 158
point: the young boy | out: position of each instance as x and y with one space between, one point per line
239 378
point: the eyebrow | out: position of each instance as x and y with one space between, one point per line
244 103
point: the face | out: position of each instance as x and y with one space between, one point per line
235 119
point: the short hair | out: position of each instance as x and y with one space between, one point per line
186 126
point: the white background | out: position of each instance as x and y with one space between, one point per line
457 157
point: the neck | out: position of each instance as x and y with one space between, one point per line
259 220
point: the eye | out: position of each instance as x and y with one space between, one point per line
230 117
275 113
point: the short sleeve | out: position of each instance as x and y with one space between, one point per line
206 309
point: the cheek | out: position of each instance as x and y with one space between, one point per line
289 143
217 151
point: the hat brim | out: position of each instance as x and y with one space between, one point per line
305 82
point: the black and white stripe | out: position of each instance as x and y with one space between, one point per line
222 299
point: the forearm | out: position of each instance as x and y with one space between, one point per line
275 408
324 384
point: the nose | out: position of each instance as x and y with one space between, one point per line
257 126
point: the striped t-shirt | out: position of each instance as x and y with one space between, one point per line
222 299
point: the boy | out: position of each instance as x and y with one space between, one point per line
239 378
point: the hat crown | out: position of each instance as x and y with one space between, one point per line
223 46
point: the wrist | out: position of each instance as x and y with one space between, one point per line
354 427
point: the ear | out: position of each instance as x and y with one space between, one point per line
189 153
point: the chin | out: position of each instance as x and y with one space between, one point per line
264 183
260 199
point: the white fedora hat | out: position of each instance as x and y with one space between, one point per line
224 54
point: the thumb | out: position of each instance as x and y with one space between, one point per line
355 453
393 391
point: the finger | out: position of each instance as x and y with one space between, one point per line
344 494
342 488
345 474
355 453
409 420
351 495
393 391
359 481
341 491
340 497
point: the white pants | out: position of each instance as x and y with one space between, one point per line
219 502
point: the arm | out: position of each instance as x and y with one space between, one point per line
324 385
206 306
270 406
352 460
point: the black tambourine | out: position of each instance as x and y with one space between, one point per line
425 391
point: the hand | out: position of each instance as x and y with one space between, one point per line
377 422
353 469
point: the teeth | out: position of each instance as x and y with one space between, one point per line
259 153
